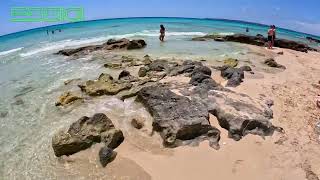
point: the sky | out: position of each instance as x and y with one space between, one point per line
303 16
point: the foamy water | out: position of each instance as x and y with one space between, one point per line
32 77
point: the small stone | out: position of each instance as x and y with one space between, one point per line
106 155
138 124
123 74
142 72
3 114
269 103
280 53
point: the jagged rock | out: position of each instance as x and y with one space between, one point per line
159 65
272 63
231 62
177 118
125 76
111 44
137 123
113 65
84 133
142 72
239 114
147 60
203 70
245 68
67 98
186 67
258 41
106 155
104 85
234 76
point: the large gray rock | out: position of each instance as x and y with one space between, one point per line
111 44
104 85
177 118
84 133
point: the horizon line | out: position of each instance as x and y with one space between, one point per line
102 19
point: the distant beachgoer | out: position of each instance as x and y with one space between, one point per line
47 32
270 37
274 35
162 33
59 30
247 29
52 32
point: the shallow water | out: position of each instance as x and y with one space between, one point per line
31 79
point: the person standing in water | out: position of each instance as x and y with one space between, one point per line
270 37
162 33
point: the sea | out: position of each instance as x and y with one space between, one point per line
32 78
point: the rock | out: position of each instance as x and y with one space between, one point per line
272 63
231 62
4 114
159 65
317 127
147 60
234 76
125 76
203 70
106 155
137 123
198 78
84 133
142 72
239 114
258 40
104 85
67 98
187 67
269 103
113 65
112 138
245 68
67 82
18 102
111 44
313 39
177 118
280 53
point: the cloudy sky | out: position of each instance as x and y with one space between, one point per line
297 15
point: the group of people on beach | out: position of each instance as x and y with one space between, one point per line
271 36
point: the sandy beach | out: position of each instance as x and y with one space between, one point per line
293 154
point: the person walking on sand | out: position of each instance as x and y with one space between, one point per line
270 37
162 33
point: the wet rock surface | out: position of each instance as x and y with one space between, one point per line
68 98
104 85
111 44
84 133
258 40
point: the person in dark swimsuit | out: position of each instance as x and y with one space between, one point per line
162 33
270 37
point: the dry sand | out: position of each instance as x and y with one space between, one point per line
294 155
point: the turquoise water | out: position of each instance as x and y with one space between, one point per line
31 78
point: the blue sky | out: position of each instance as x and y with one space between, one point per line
293 14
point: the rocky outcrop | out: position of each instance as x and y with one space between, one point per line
111 44
235 76
84 133
104 85
67 98
272 63
258 41
177 118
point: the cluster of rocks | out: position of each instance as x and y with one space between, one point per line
258 40
85 132
111 44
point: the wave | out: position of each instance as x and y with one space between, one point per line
72 43
10 51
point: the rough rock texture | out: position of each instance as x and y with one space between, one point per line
234 75
272 63
137 123
106 155
111 44
142 72
125 76
67 98
258 41
231 62
104 85
85 132
177 118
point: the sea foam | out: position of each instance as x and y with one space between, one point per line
10 51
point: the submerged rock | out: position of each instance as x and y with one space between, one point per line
84 133
111 44
272 63
106 155
177 118
231 62
67 98
104 85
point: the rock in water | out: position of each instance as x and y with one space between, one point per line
177 118
85 132
231 62
67 98
106 155
111 44
104 85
